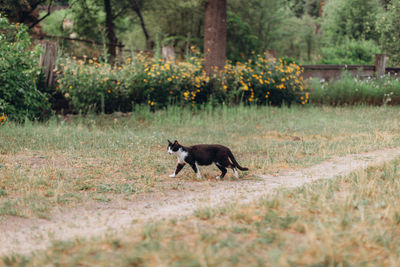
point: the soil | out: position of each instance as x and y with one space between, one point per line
26 235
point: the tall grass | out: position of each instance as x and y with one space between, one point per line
349 90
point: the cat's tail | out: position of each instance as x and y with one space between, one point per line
235 162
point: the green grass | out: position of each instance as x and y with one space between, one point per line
99 158
350 90
349 221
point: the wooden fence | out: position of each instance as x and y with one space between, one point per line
333 72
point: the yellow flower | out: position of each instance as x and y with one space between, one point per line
108 91
70 87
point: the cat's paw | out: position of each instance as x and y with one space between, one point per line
172 175
218 177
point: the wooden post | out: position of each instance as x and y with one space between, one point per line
380 65
48 60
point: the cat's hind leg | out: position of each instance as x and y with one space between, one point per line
223 170
235 172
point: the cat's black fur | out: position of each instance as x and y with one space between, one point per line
204 155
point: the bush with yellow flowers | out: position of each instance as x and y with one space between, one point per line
90 85
272 81
3 119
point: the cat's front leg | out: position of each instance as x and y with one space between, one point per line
178 169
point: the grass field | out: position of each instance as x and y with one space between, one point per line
349 221
72 160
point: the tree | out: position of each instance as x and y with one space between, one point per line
24 11
215 35
351 19
389 28
137 6
112 38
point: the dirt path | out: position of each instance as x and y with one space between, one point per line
20 235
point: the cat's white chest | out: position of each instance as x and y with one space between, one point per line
181 155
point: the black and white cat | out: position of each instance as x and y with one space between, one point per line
204 155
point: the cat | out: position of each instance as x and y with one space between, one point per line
204 155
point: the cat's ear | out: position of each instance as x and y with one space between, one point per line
169 142
175 142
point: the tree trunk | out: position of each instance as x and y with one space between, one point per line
149 44
112 39
215 36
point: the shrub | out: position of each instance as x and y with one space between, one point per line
350 52
349 90
388 25
20 95
90 85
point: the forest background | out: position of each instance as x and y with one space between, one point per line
304 31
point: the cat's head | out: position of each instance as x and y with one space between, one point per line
173 147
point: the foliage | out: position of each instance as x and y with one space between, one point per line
88 19
351 19
54 23
241 41
20 93
98 87
298 38
349 90
296 28
265 18
305 7
389 27
350 52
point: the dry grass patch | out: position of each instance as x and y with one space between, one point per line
346 221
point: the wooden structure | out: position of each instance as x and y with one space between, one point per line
48 60
333 72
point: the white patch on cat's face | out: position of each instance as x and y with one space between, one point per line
170 150
181 155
